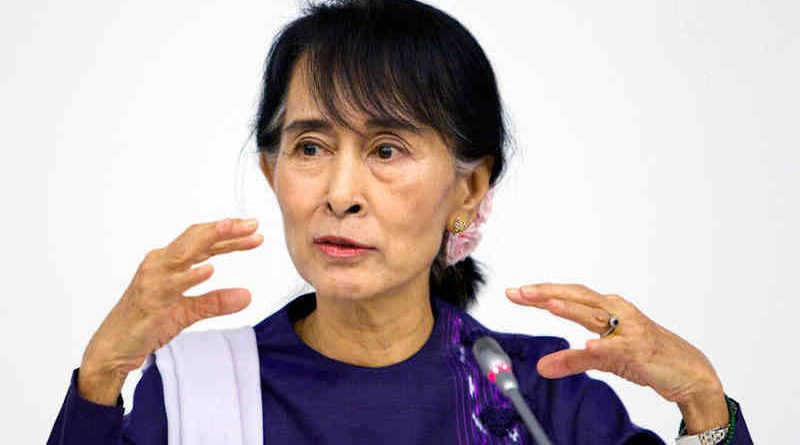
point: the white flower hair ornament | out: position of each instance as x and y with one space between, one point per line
461 243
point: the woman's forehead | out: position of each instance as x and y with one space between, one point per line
304 113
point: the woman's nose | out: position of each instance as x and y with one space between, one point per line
345 187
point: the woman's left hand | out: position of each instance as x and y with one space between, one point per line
639 350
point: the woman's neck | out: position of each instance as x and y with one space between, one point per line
375 332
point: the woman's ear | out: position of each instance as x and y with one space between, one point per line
266 168
476 185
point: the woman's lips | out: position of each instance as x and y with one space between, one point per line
340 240
339 251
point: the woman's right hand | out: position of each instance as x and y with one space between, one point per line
153 309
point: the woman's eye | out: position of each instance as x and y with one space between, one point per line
385 151
307 149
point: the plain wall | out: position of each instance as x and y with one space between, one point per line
658 160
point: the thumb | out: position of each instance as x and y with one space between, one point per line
566 362
215 303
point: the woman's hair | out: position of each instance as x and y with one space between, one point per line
398 61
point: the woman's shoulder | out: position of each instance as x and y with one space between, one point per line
276 329
514 343
530 346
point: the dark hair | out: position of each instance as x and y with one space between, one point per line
403 61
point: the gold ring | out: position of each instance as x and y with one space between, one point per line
611 328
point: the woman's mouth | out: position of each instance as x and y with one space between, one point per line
340 247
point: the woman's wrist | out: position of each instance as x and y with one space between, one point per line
704 411
102 388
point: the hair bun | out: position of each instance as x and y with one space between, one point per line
457 284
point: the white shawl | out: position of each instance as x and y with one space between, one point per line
212 387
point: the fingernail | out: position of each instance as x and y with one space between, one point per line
250 223
512 292
529 291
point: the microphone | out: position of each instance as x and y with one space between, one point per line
496 366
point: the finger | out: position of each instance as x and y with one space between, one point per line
577 293
568 362
215 303
220 247
599 353
179 282
182 252
593 319
514 295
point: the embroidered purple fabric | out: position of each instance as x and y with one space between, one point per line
435 396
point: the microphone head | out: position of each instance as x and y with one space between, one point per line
494 363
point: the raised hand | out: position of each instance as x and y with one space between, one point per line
640 350
153 309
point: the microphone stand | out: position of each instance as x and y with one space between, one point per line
496 365
527 416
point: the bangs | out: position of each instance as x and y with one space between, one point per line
367 63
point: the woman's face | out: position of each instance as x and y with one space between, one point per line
392 189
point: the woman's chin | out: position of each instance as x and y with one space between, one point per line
344 286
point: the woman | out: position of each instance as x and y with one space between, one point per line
381 133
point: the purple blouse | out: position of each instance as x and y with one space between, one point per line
437 395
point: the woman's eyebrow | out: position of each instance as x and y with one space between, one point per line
325 126
298 125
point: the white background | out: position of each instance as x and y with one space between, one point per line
658 160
